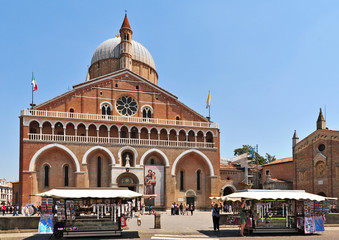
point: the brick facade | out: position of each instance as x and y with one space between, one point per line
80 139
316 161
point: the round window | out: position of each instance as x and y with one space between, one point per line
127 106
321 147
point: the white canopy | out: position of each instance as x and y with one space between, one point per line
262 194
90 193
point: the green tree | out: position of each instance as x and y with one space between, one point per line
258 159
269 158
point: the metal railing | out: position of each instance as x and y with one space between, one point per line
116 118
117 141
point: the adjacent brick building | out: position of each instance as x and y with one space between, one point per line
117 127
278 174
316 161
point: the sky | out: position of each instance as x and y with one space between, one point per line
269 65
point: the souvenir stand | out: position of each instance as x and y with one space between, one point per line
91 211
279 210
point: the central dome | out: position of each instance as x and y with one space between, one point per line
111 49
122 53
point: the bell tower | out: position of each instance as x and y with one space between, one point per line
126 45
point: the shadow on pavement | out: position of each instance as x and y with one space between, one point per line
235 233
221 233
124 235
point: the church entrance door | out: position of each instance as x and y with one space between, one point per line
190 200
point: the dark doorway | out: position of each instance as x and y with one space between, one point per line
227 190
190 200
322 194
132 188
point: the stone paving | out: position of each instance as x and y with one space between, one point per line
199 227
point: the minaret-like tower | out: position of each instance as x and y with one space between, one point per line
126 45
295 139
321 123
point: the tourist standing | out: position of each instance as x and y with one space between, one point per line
216 216
3 209
15 213
172 209
192 208
181 209
143 209
243 218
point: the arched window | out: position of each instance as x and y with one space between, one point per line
106 109
177 120
66 169
46 178
198 179
134 132
99 172
181 180
147 113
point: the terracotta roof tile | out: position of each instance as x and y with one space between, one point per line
282 160
280 180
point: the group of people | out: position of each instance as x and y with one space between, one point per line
182 209
10 210
216 216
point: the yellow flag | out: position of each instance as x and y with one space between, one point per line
208 102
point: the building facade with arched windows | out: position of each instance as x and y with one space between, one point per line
120 129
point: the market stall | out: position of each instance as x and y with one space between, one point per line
88 211
278 210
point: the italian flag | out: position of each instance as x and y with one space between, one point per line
35 86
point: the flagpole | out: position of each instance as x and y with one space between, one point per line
32 104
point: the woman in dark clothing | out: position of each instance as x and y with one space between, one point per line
216 216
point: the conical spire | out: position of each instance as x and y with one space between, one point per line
125 23
321 123
295 139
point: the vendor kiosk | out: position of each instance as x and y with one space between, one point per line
91 211
278 210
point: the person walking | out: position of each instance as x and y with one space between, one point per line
192 209
216 217
3 209
243 218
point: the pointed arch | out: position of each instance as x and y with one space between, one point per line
41 150
193 151
84 159
157 151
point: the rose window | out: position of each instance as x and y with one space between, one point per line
127 106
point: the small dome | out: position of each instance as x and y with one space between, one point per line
111 49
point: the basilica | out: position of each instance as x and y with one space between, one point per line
119 128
